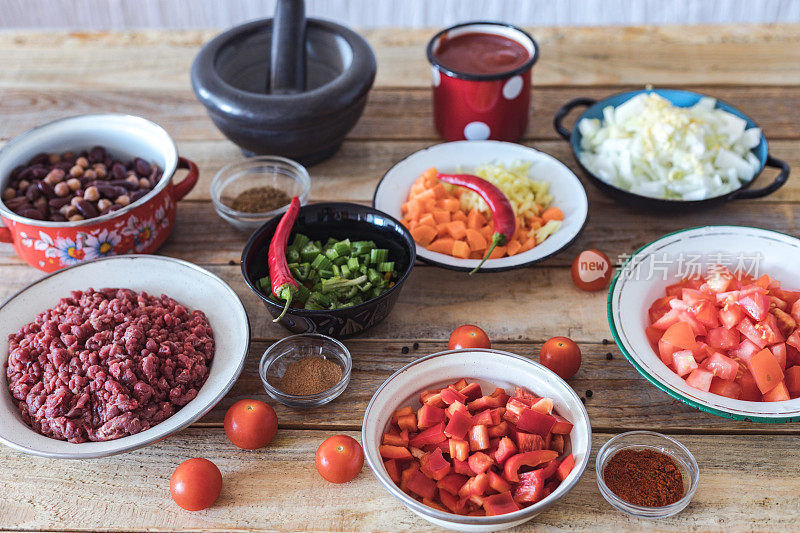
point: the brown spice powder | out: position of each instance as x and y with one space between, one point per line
310 375
644 477
258 200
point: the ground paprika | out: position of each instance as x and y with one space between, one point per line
644 477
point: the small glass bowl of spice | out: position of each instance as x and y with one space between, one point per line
306 370
647 474
250 192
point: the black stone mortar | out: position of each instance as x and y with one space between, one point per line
303 114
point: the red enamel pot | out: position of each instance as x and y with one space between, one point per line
468 106
141 227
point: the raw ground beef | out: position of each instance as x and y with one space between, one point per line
105 364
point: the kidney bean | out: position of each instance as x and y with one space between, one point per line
38 159
33 192
58 203
118 171
31 213
125 184
142 167
39 172
97 154
46 189
16 203
58 217
86 209
136 195
115 207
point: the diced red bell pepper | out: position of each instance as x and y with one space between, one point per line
452 483
472 391
454 407
485 402
476 486
562 426
400 453
500 430
393 469
531 459
422 485
530 490
436 505
565 467
428 416
452 502
444 446
418 453
483 417
496 483
449 396
406 474
479 462
458 385
501 395
395 438
435 400
523 393
462 467
557 443
459 424
514 408
434 465
531 421
427 394
498 504
478 438
403 411
779 393
792 378
407 422
459 449
527 442
505 449
432 435
543 405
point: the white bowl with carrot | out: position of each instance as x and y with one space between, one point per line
536 206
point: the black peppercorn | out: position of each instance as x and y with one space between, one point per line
404 349
589 394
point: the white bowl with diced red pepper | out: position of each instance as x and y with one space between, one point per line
475 404
733 289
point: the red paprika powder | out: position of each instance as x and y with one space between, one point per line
644 477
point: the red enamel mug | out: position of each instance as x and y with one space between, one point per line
141 227
476 106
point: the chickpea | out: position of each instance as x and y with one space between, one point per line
104 204
55 176
74 184
75 218
54 158
68 155
61 189
82 162
123 200
133 179
76 171
90 174
75 200
39 202
23 185
68 210
101 171
144 183
91 194
9 193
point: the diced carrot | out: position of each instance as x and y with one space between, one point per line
461 249
475 220
416 189
528 244
512 248
424 234
404 208
451 204
487 231
498 252
476 241
441 230
478 255
440 192
427 220
552 213
457 229
430 174
442 245
441 216
460 215
414 208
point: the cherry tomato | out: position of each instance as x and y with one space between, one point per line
468 336
339 458
251 424
562 356
195 484
591 270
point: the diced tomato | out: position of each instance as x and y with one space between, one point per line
790 297
779 351
653 335
393 469
680 335
562 425
697 327
422 485
434 465
472 391
428 416
505 449
452 483
668 319
719 279
394 452
665 351
565 467
496 483
499 430
745 350
779 393
449 396
731 314
700 378
659 308
407 422
731 389
702 352
721 366
498 504
750 391
694 297
479 462
765 370
794 339
432 435
755 302
459 424
793 380
532 459
792 355
722 338
478 438
683 362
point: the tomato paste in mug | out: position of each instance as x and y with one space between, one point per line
481 53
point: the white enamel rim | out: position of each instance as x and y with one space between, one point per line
629 300
568 192
489 367
187 283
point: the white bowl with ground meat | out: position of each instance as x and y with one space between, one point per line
100 372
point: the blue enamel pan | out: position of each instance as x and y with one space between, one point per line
594 109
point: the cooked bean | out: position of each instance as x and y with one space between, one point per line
82 162
103 204
33 192
118 171
46 189
9 193
58 203
136 195
75 218
123 200
58 217
91 194
86 208
74 184
76 171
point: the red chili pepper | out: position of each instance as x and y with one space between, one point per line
284 287
505 223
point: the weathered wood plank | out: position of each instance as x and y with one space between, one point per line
278 488
391 114
760 55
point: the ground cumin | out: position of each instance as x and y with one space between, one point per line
644 477
310 375
258 200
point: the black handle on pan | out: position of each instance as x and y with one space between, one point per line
783 175
564 111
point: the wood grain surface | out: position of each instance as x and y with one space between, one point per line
749 472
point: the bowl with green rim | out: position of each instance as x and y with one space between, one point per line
648 271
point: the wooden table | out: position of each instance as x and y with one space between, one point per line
749 473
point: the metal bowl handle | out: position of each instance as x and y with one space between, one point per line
783 175
565 110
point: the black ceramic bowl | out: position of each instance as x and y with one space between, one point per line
594 109
340 221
